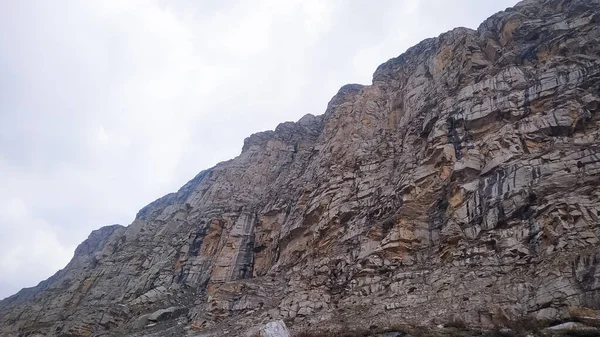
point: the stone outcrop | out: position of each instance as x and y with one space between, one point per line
275 329
462 185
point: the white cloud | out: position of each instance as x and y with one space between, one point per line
107 105
30 249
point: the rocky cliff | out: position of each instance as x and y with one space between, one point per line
461 186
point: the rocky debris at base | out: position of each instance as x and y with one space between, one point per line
573 327
275 329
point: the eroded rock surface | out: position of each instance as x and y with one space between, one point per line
463 184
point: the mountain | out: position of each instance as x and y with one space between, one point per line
461 188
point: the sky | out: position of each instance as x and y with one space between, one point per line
106 105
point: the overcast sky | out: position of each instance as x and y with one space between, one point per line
107 105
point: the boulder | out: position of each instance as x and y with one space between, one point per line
275 329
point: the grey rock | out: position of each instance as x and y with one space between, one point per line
141 321
275 329
395 334
462 185
572 326
165 314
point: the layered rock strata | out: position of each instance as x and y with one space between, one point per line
461 185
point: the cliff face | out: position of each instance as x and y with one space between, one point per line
463 184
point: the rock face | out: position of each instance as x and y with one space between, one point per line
463 184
